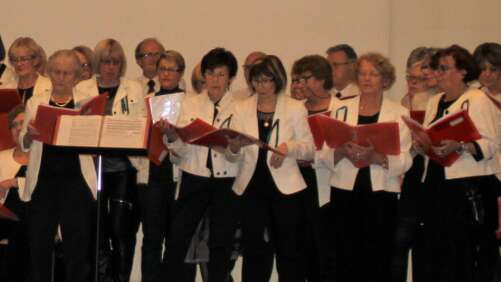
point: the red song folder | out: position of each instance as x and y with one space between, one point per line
9 98
384 136
201 133
458 127
417 116
7 214
48 116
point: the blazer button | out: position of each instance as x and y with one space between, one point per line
114 112
217 173
192 119
224 172
446 112
214 156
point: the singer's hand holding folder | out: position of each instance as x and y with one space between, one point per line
458 127
384 136
8 100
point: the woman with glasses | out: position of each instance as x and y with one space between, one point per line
364 182
312 78
270 183
28 60
459 213
206 176
157 198
409 233
118 204
86 57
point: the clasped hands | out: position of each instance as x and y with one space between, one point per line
356 153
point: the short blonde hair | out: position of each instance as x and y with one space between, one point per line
65 54
30 44
382 65
109 48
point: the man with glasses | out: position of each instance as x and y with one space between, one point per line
342 58
147 54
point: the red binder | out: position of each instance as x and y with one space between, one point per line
9 98
47 116
458 127
7 214
384 136
201 133
418 116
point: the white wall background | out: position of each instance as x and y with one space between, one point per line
287 28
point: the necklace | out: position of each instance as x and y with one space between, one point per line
63 104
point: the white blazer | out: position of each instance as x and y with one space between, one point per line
129 100
291 128
9 169
344 173
482 112
36 148
193 158
8 79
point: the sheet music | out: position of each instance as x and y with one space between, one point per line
124 132
78 131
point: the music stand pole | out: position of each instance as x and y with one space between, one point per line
98 219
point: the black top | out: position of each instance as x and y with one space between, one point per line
56 161
163 91
25 94
363 179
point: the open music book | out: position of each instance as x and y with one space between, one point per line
384 136
458 127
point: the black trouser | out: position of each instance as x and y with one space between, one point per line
15 255
271 222
196 194
363 225
65 200
313 237
119 221
156 202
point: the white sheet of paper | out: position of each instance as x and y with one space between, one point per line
166 107
78 131
124 132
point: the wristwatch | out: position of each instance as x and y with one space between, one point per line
462 148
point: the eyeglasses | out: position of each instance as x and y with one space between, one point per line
414 78
85 65
444 68
301 79
21 59
146 55
262 81
114 62
167 70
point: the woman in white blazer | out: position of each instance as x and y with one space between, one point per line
60 184
364 200
15 254
460 214
270 184
206 176
28 60
312 79
118 203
